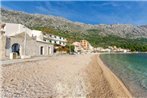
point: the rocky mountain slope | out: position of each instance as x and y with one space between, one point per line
38 20
145 26
59 23
124 30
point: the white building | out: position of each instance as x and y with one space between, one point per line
37 34
19 28
12 29
53 39
115 49
17 38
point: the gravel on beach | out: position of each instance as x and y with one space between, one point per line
65 76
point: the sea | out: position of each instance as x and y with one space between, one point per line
131 69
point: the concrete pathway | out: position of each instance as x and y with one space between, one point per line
14 61
6 62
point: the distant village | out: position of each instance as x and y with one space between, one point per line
18 41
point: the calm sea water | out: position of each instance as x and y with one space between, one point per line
131 69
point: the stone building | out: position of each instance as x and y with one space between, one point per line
16 38
30 47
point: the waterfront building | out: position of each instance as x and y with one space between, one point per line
24 42
54 39
85 44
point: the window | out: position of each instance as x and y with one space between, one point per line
60 43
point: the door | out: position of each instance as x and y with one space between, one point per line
41 50
16 48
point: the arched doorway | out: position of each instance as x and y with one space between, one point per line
16 48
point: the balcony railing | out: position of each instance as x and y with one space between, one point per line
56 39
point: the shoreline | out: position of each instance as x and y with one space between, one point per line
110 76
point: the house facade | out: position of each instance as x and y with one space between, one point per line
53 39
77 47
86 45
82 46
24 45
49 38
16 38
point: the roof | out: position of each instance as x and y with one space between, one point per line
22 35
12 29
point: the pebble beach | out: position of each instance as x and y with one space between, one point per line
65 76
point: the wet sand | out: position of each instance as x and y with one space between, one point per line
67 76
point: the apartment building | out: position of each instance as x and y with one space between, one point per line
85 44
82 46
53 39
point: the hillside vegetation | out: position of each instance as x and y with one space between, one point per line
120 35
97 40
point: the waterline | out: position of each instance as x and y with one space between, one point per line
131 69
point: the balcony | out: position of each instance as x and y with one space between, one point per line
56 38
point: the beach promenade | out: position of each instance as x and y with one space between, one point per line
64 76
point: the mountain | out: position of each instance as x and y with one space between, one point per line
121 35
124 30
59 23
38 20
145 26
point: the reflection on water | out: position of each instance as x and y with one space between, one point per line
131 69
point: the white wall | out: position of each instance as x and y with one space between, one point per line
37 34
12 29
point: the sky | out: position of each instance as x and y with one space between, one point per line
90 12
